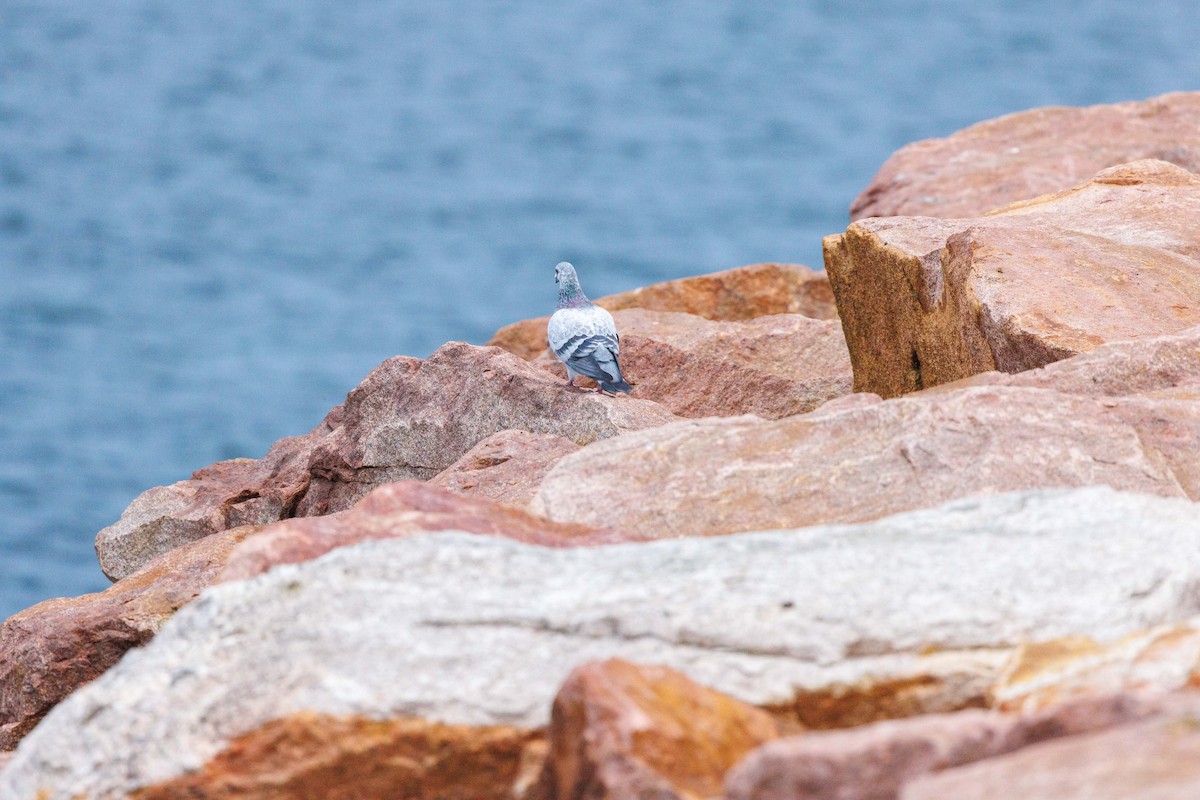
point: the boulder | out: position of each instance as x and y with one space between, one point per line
479 631
408 419
859 458
773 366
506 467
1031 153
317 756
925 301
402 509
873 762
620 730
49 650
743 293
1155 759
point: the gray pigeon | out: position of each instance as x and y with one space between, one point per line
584 336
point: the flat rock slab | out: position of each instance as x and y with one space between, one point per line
1031 153
772 366
468 630
506 467
408 419
925 301
742 293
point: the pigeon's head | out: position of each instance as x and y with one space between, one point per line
564 273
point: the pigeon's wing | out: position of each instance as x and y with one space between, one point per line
585 339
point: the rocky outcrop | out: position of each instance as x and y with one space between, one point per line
398 510
408 419
506 467
774 366
874 762
479 631
620 730
1031 153
859 458
49 650
757 290
926 301
1152 760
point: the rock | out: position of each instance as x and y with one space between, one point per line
397 510
874 761
479 631
506 467
311 755
925 301
49 650
1028 154
407 419
774 366
743 293
619 730
1042 674
1153 760
859 458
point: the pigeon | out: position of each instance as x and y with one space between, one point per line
584 336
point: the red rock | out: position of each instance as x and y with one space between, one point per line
407 419
859 458
772 366
315 756
1153 760
49 650
874 761
743 293
926 301
506 467
402 509
1028 154
620 730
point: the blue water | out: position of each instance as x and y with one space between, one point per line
216 217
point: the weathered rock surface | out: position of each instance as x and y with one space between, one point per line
1042 674
925 301
408 419
742 293
506 467
322 756
1158 759
620 730
395 511
873 762
774 366
1031 153
859 458
479 631
49 650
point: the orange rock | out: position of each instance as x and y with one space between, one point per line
743 293
397 510
926 301
772 366
620 730
506 467
312 755
874 761
1031 153
1156 758
1041 674
49 650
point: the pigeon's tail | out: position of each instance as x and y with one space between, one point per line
620 385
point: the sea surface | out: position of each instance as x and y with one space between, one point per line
216 217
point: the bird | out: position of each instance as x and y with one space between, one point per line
584 336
